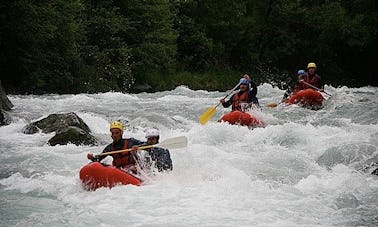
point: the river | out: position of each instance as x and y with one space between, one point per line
306 168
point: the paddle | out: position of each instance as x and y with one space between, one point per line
312 86
172 143
208 114
272 105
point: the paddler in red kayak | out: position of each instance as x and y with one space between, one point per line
125 160
312 77
241 100
294 87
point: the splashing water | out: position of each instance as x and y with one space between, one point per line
306 168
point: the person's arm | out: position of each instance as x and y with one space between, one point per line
91 157
227 103
253 88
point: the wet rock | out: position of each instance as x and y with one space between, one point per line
72 135
142 88
5 105
56 122
5 119
69 128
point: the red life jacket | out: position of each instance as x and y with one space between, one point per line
314 80
243 98
297 87
122 159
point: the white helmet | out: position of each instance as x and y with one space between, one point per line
152 133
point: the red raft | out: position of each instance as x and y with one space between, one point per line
241 118
307 98
96 175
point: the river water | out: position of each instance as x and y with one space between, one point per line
306 168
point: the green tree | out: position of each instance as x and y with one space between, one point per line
39 45
104 52
151 38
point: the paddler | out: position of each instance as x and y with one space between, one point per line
312 77
294 87
126 160
242 100
157 157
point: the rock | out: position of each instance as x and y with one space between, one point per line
142 88
69 128
56 122
375 172
5 119
72 135
5 103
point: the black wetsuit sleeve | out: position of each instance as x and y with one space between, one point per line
133 141
290 89
228 102
253 88
106 149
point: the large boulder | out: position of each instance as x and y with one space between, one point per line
69 128
74 135
5 105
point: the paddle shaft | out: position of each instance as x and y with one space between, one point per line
233 89
208 114
125 150
176 142
315 87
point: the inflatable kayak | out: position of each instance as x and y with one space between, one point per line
242 118
96 175
307 98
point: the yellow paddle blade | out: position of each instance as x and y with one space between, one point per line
207 115
271 105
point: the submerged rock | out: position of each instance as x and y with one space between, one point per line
69 128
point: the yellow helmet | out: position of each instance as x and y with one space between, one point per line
311 65
117 124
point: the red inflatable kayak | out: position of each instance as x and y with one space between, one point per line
241 118
307 98
96 175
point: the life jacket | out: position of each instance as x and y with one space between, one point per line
122 159
314 80
297 87
243 98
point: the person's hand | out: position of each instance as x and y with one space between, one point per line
134 148
246 76
90 156
222 101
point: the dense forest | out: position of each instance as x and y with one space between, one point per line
73 46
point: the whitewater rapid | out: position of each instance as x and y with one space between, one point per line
306 168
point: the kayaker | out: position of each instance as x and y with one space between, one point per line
312 77
241 100
126 160
157 157
253 88
294 87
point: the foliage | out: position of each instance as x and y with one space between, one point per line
91 46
